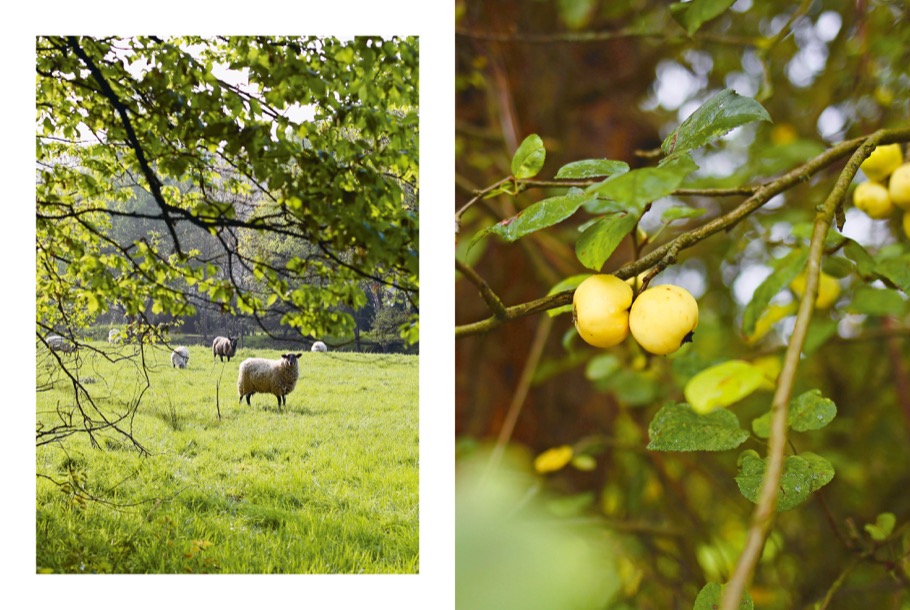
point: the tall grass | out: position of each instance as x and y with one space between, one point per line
326 485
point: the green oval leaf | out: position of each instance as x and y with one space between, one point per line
811 411
784 270
710 595
723 112
877 302
681 211
691 15
677 427
802 475
722 385
601 238
639 187
529 158
882 528
897 271
540 215
592 168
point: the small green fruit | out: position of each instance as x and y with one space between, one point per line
663 318
883 160
873 199
899 186
600 309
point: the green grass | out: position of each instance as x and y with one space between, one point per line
327 485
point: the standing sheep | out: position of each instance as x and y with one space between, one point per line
113 336
59 344
180 357
259 375
319 346
224 347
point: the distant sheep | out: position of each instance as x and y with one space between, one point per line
180 357
114 337
262 376
319 346
224 347
59 344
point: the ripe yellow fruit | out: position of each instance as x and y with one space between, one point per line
600 309
663 318
899 186
873 199
883 160
907 224
828 289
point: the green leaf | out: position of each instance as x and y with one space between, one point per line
602 366
877 302
540 215
723 384
711 594
591 168
882 528
802 475
639 187
676 427
808 411
896 271
691 15
723 112
784 270
820 330
811 411
600 239
856 253
681 211
529 158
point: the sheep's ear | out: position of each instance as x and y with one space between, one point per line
299 355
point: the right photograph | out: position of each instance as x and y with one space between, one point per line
682 322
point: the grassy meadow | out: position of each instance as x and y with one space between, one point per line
327 485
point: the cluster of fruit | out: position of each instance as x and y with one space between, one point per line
661 319
888 185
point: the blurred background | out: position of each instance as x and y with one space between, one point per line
597 79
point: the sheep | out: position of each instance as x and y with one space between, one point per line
59 344
224 347
180 357
114 337
259 375
319 346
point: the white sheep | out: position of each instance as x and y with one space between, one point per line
263 376
224 347
180 357
319 346
59 344
114 337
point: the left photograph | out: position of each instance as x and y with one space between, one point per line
227 298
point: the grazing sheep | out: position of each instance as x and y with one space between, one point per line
113 336
259 375
59 344
224 347
180 357
319 346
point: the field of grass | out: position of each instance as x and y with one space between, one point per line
327 485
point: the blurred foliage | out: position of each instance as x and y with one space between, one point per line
610 81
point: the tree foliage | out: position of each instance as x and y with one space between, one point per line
713 145
209 134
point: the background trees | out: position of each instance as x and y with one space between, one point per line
611 81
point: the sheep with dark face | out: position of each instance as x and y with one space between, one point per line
59 344
263 376
224 347
319 346
180 357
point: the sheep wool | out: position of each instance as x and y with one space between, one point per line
59 344
113 336
319 346
224 347
263 376
180 357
